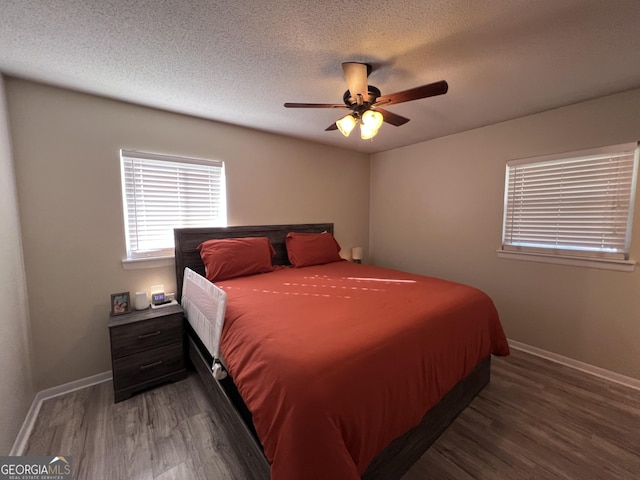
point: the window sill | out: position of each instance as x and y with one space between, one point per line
150 262
603 264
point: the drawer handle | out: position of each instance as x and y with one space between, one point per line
151 365
147 335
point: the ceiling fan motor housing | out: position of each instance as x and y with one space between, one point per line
359 107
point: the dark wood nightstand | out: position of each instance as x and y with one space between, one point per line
147 348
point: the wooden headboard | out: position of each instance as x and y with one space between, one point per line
188 239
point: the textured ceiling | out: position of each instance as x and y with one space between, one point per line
239 61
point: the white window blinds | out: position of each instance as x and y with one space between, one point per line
163 192
573 204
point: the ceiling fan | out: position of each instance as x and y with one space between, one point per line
365 102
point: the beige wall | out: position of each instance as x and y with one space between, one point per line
68 176
436 209
16 388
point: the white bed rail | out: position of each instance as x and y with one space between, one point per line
204 306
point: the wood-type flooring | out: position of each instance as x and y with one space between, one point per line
535 420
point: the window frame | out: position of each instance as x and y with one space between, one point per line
573 256
155 257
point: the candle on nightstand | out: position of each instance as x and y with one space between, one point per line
356 254
142 301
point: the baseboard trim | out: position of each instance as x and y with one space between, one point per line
27 426
578 365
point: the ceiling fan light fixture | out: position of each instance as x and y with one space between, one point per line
366 133
372 119
346 124
365 102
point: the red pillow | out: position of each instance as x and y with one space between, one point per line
306 249
236 257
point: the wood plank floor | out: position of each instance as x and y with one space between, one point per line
536 420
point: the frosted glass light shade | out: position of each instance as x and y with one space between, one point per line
366 133
346 124
372 119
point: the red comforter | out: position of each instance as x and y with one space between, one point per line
335 361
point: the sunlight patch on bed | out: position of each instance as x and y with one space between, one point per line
388 280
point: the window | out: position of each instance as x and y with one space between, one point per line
161 192
577 205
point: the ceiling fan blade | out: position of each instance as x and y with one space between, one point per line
314 105
392 118
356 76
333 126
429 90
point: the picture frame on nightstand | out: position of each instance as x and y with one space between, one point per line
120 303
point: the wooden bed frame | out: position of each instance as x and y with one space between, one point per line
395 460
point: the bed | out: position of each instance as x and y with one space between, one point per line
348 420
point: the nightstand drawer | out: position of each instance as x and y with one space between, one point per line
141 367
137 337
